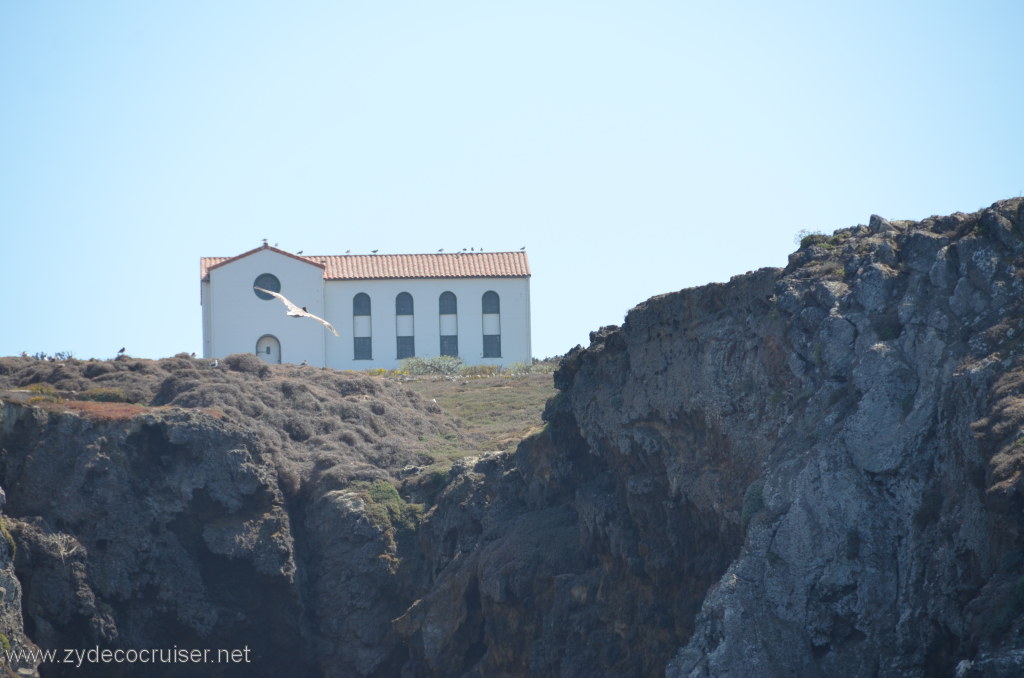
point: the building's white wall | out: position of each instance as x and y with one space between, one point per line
204 299
515 319
234 318
237 318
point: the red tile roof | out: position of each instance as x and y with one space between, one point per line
382 266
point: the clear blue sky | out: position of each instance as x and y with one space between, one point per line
634 148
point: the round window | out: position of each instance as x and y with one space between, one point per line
268 282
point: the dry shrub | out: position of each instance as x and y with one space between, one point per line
104 411
247 363
172 387
97 369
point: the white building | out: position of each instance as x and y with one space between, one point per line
386 307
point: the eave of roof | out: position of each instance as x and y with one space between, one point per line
401 266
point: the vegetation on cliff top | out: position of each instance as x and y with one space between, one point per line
319 424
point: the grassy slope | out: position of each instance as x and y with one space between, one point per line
493 412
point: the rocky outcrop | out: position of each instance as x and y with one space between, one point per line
165 530
588 552
809 471
18 658
242 509
884 532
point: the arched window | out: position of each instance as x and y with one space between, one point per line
269 348
491 303
362 340
448 308
405 337
448 304
491 306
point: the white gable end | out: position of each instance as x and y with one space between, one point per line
239 318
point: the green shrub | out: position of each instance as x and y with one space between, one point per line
44 393
434 480
806 238
519 369
105 395
479 370
58 356
386 508
6 533
443 364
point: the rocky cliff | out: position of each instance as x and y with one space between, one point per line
811 471
242 507
808 471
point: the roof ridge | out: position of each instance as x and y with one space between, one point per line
499 264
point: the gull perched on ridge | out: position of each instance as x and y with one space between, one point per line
297 312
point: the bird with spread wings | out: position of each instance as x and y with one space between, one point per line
297 312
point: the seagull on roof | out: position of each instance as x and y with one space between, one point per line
441 250
297 312
374 251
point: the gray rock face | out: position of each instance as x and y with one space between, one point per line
12 630
247 508
811 471
883 533
164 527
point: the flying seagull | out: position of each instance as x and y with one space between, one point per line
297 312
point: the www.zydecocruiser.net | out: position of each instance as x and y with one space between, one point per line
98 655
